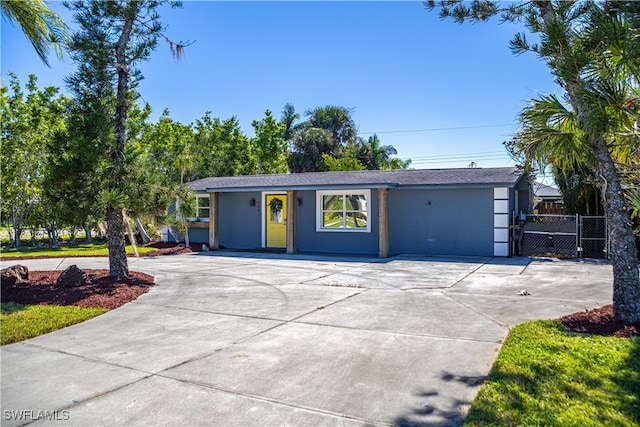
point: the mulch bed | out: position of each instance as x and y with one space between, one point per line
170 248
105 291
600 321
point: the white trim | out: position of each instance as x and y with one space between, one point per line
501 236
501 193
501 249
201 218
263 215
319 216
501 206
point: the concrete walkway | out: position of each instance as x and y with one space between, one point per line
263 340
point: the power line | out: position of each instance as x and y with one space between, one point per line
466 159
437 129
460 157
445 156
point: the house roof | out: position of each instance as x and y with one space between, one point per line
410 179
545 191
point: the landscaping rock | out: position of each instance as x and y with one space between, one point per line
73 277
10 275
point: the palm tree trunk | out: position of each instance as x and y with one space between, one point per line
624 255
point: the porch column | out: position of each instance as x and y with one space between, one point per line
383 222
292 209
214 238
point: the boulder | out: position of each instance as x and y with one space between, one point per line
10 275
73 277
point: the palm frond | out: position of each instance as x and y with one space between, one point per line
42 27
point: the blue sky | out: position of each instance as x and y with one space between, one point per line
443 94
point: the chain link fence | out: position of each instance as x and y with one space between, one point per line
550 235
563 236
593 237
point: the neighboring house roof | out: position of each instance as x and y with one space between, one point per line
543 191
410 179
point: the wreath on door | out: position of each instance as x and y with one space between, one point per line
276 206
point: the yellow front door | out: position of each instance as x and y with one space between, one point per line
276 220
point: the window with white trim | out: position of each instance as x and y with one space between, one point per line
338 210
202 207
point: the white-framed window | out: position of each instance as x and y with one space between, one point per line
343 210
202 207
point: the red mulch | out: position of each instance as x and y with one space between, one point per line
105 291
170 248
600 321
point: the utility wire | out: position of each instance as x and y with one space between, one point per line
446 156
436 129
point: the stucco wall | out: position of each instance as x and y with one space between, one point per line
441 222
198 235
423 222
310 240
239 223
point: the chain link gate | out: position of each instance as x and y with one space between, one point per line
564 236
593 237
550 235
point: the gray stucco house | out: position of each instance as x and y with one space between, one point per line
464 212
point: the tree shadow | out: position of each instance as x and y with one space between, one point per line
429 414
11 307
630 384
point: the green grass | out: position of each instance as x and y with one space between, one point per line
19 322
67 251
548 376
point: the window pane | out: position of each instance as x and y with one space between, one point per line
332 220
276 216
356 202
332 202
356 220
203 213
203 202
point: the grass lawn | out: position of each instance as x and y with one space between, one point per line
19 322
67 251
546 375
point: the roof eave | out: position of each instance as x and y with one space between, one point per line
297 187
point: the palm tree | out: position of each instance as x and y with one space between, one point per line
594 126
289 116
43 28
375 156
327 131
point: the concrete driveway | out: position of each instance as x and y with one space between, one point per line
261 339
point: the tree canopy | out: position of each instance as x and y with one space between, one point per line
328 140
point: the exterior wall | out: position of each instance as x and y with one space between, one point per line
310 240
441 222
198 235
525 199
239 222
457 222
240 226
